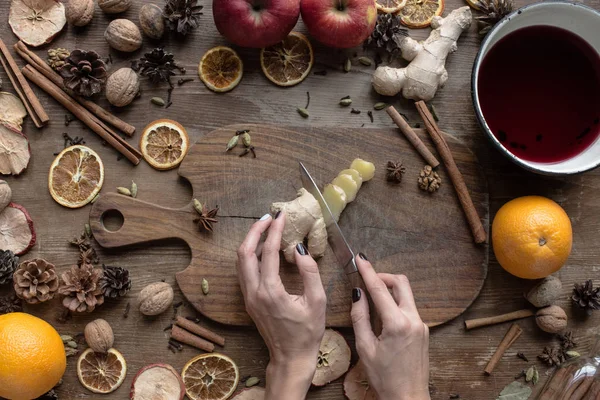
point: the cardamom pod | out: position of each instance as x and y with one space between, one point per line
157 101
347 65
572 354
536 377
345 102
366 61
204 286
529 374
232 143
133 189
198 206
69 352
72 344
252 381
87 229
95 198
246 139
380 106
303 112
66 338
124 191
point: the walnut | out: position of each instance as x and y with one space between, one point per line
99 335
122 87
79 12
114 6
151 21
545 292
155 298
429 180
552 319
123 35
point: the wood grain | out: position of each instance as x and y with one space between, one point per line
457 357
396 225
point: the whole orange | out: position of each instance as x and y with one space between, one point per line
32 356
532 237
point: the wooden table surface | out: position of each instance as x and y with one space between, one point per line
457 357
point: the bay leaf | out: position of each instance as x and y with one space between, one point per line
515 391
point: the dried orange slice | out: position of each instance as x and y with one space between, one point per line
210 376
390 6
475 4
76 176
420 13
221 69
101 373
288 62
164 144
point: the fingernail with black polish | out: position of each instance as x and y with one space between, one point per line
300 248
278 214
356 293
361 255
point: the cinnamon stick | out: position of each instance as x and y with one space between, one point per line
456 177
82 114
580 392
41 66
412 137
498 319
594 391
30 101
555 385
183 336
200 331
511 336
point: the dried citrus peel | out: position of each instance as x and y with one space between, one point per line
101 373
288 62
164 144
420 13
221 69
390 6
211 376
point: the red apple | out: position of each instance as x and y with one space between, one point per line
255 23
339 23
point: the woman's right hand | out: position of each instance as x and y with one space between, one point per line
396 362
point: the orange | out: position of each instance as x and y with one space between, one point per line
32 356
76 176
101 373
532 237
390 6
164 144
420 13
211 376
288 62
221 69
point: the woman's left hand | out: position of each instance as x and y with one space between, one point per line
292 326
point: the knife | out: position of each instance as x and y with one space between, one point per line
338 243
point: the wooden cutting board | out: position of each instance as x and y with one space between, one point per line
399 227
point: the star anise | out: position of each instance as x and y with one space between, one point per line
182 15
395 170
567 341
10 303
586 297
157 65
552 356
207 218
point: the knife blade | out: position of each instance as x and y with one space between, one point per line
335 236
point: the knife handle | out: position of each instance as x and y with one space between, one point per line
376 324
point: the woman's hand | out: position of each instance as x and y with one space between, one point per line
396 362
291 325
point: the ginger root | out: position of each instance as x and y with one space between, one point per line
303 218
426 72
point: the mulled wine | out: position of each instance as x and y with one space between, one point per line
539 91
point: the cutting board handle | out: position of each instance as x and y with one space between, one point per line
142 222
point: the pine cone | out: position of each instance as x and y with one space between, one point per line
35 281
81 288
586 297
8 264
387 34
429 180
115 282
84 72
57 57
10 303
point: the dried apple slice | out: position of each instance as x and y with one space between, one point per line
36 22
333 360
12 110
14 150
253 393
356 385
157 381
16 229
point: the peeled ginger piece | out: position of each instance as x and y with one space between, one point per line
335 197
348 185
365 169
355 175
